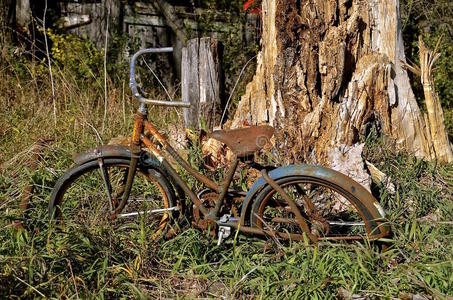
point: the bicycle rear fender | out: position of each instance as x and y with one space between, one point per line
347 183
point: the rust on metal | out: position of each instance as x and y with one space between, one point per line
138 128
209 201
156 152
377 225
135 153
259 231
101 151
155 133
206 181
244 141
128 186
314 214
226 184
173 154
185 188
295 210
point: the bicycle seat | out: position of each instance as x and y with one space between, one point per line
244 141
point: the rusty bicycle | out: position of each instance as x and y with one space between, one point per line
295 202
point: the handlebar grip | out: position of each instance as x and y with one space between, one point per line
133 83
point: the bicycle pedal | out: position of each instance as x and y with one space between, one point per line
224 232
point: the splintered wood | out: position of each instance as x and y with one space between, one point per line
439 144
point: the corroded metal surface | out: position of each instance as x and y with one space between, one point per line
102 151
368 204
155 133
299 218
205 180
209 201
244 141
133 83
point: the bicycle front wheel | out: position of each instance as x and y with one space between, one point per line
330 211
81 199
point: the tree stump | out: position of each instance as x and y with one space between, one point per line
328 71
202 83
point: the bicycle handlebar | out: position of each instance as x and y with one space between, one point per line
133 83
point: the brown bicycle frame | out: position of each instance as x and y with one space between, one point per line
166 151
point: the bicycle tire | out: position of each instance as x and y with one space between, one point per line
334 214
79 198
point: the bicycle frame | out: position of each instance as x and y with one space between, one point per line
166 151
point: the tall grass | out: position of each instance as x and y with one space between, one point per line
43 262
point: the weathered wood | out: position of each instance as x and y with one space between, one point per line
171 18
442 149
202 82
99 14
23 13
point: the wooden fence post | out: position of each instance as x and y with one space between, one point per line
202 83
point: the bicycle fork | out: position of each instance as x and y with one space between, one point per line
135 155
129 181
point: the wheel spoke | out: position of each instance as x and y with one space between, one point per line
340 223
154 211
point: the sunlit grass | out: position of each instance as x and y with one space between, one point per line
101 263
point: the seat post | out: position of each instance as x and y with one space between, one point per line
225 186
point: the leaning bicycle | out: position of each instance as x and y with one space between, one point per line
113 183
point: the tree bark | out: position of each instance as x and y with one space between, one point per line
327 71
96 15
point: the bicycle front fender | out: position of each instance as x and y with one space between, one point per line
345 182
104 151
120 151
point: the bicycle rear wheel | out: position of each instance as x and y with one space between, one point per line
330 211
80 198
